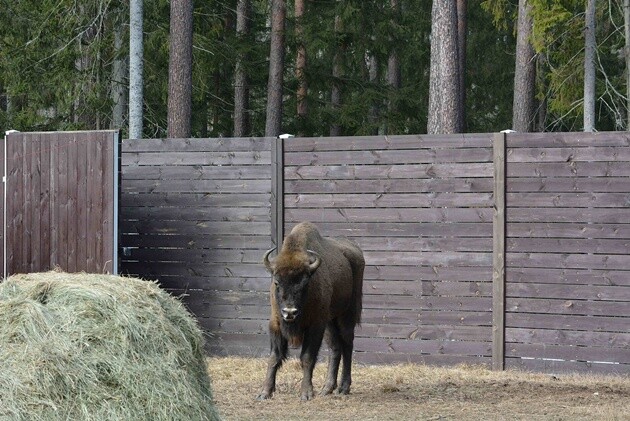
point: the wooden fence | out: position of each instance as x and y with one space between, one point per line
61 196
502 249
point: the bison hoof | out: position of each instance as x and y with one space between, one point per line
343 390
307 396
329 388
264 396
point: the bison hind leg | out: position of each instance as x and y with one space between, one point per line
346 335
333 338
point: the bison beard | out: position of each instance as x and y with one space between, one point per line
316 292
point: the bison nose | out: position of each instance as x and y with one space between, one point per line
289 314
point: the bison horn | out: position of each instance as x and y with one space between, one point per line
266 259
315 263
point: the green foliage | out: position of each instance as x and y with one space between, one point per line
56 64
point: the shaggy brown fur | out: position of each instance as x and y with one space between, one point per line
321 279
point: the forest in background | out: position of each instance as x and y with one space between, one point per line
350 67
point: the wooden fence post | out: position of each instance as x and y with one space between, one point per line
498 254
277 191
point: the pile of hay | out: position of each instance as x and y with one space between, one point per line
98 347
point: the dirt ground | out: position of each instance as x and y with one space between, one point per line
416 392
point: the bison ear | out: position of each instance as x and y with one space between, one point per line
268 264
315 261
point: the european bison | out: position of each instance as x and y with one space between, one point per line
316 289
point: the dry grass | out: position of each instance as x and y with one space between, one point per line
416 392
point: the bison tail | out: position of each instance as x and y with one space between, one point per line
357 292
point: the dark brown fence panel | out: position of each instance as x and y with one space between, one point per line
196 217
421 208
568 252
62 201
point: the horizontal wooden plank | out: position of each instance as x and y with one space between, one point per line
197 186
568 185
420 346
410 258
426 317
195 227
569 292
571 230
568 245
384 157
565 260
196 172
444 244
568 337
568 276
352 215
411 302
155 270
569 200
362 143
569 215
428 288
568 139
566 322
569 154
545 305
388 200
434 360
196 200
187 282
202 241
427 273
195 256
481 185
414 331
356 230
567 352
552 366
219 326
568 169
222 144
226 213
196 158
228 311
392 171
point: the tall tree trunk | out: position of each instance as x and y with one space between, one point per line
590 47
118 75
462 32
523 106
372 68
273 124
179 113
300 62
241 78
337 73
393 64
444 97
626 22
136 53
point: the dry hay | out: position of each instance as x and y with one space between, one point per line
419 392
98 347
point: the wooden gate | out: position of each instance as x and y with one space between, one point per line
60 201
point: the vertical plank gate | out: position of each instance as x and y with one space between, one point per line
60 201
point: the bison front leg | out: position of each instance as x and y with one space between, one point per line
310 349
279 350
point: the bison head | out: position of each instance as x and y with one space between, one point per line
291 275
